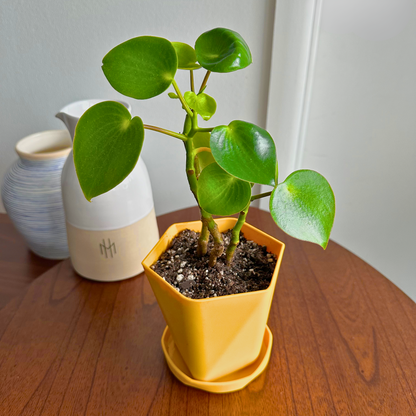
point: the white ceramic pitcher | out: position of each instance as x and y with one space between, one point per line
108 237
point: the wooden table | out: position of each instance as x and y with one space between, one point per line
344 340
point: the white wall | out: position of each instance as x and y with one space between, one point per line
51 54
354 121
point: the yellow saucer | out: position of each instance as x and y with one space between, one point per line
231 382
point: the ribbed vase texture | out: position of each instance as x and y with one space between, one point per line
31 194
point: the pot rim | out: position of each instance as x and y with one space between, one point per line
271 286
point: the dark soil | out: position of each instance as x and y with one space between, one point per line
251 270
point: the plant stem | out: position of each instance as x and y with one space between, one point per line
218 248
178 92
208 222
193 184
235 236
192 80
194 128
190 168
164 131
203 240
187 125
204 82
254 197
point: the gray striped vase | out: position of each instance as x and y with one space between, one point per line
31 192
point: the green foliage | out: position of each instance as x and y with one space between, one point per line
107 145
202 103
220 193
142 67
304 206
108 141
245 151
222 50
186 56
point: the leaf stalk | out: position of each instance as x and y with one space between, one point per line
258 196
178 92
167 132
204 82
201 149
191 74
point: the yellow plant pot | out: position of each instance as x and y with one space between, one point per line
215 336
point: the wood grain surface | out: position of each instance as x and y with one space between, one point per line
18 265
344 344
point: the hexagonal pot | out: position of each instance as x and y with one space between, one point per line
215 336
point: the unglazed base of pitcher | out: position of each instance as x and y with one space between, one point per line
112 255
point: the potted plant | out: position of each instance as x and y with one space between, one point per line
218 343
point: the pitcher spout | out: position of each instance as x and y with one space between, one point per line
69 121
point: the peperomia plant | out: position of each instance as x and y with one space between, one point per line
222 163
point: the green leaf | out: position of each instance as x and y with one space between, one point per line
202 103
201 139
222 50
141 67
186 56
220 193
245 151
191 99
303 206
172 95
107 145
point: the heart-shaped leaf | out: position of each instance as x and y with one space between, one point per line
186 56
303 206
107 145
245 151
204 158
220 193
222 50
202 103
141 67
